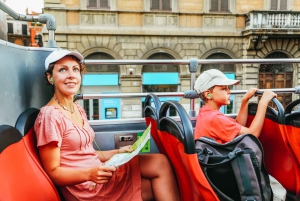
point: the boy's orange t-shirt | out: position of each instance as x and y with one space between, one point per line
212 123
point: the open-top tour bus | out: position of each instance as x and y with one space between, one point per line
24 91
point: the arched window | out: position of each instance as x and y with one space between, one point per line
221 67
276 68
96 68
160 67
101 79
277 76
161 78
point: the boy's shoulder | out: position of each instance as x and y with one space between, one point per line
207 109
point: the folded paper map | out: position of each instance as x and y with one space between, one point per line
122 158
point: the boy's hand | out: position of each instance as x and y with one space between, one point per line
267 96
250 93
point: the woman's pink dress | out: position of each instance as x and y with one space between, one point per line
77 152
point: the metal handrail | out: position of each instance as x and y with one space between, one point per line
138 120
193 67
166 94
187 62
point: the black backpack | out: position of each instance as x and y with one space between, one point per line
235 170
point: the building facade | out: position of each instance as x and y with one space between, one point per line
176 29
24 33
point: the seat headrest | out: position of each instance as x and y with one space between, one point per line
26 120
8 135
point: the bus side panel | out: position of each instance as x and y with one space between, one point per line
21 80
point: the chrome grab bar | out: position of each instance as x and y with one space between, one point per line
187 62
168 94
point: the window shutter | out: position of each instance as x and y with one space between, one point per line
274 4
214 5
24 29
283 5
103 3
224 5
10 28
155 4
92 3
166 5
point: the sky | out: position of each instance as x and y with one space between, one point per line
19 6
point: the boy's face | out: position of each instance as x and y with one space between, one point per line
221 95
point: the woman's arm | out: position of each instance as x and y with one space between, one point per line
106 155
62 176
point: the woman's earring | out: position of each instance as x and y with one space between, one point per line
209 95
51 80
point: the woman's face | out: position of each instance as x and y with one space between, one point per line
67 76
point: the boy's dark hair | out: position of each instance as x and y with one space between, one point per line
202 96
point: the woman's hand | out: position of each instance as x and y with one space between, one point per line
250 93
101 174
125 149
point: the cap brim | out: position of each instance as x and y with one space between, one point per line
228 82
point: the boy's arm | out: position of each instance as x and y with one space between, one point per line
243 113
257 123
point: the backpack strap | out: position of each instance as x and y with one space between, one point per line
205 154
256 168
244 174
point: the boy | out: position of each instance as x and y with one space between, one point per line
213 88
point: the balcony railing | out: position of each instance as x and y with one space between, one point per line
273 20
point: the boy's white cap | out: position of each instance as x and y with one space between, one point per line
58 54
211 78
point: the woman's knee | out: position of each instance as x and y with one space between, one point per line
153 164
154 159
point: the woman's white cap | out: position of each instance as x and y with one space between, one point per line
211 78
58 54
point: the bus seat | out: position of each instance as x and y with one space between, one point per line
25 124
22 178
152 116
26 120
278 160
178 142
292 129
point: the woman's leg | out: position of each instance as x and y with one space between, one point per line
147 193
157 169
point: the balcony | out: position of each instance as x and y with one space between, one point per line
264 25
273 21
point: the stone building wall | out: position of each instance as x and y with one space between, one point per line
129 31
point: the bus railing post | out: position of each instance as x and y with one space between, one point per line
193 67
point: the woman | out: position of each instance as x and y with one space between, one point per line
65 143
